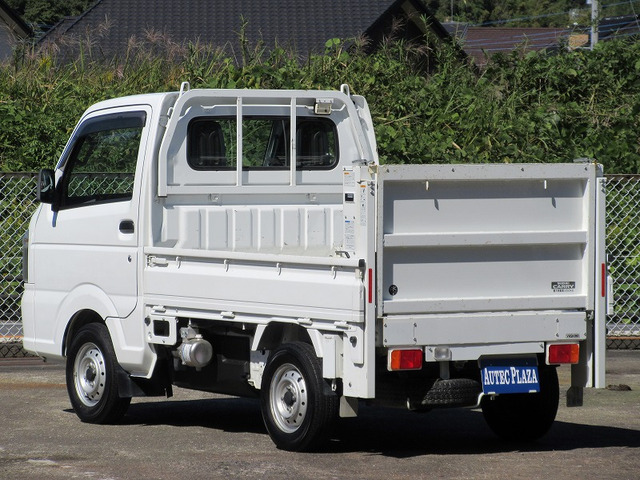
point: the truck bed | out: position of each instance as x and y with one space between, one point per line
476 254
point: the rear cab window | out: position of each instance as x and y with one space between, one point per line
212 143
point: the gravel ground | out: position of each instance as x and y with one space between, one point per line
196 435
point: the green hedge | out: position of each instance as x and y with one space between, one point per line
522 108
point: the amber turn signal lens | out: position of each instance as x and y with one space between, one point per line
405 360
565 353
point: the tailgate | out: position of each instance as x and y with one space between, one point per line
456 239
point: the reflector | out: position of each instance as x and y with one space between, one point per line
405 360
564 353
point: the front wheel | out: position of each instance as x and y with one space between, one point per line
297 405
91 376
524 417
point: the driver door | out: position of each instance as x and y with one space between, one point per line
89 238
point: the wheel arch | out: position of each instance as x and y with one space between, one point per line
327 346
83 305
77 321
275 334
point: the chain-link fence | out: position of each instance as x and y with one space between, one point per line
17 202
623 249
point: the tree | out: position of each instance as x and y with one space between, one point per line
536 13
43 14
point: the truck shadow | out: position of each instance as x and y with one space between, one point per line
453 432
226 414
387 432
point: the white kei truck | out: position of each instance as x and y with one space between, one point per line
249 243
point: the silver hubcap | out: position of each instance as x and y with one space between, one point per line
89 373
288 398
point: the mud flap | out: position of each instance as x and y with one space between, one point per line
575 396
141 387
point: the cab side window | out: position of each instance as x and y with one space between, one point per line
102 162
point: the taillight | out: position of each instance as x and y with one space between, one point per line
405 359
25 257
563 353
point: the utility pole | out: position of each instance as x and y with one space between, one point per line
594 22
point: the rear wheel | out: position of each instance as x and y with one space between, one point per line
298 407
524 417
91 377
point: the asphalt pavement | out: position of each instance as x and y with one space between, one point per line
203 436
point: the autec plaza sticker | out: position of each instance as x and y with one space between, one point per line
510 379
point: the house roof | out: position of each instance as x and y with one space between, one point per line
16 24
305 25
482 42
61 27
624 25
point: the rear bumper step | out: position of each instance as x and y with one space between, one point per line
454 392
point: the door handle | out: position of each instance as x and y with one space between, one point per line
127 226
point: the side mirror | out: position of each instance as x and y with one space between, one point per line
46 186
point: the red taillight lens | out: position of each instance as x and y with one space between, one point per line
405 360
565 353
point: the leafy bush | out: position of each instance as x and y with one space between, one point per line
522 108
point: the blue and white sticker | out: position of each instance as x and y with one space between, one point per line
510 379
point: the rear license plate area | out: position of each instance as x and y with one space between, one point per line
500 376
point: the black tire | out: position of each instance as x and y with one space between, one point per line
298 407
91 376
524 417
